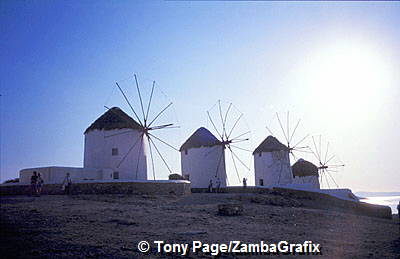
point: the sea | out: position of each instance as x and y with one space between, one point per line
392 201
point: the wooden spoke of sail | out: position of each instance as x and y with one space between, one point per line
328 171
169 125
294 131
320 152
316 150
160 113
234 125
226 116
152 159
326 152
327 180
130 149
241 148
336 166
126 99
241 135
302 150
298 143
234 164
219 163
222 119
312 151
294 156
138 159
237 157
140 98
330 159
270 131
283 131
287 127
215 128
158 152
162 127
239 140
164 142
150 99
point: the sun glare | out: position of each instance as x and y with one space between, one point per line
346 78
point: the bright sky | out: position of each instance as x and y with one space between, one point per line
333 65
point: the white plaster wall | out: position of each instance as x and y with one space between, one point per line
98 152
273 167
56 174
312 180
201 165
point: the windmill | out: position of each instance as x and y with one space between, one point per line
272 157
148 119
289 136
233 133
326 161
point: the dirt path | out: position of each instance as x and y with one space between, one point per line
112 225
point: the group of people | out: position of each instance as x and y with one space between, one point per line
37 183
218 185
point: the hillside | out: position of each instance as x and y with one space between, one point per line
112 225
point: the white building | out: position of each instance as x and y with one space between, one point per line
203 159
305 172
115 141
272 164
56 174
114 149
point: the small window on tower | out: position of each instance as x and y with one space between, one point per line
259 154
261 182
116 175
114 151
186 151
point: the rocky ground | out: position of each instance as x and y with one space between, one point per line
112 225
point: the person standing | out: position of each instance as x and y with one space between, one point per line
398 213
67 183
244 182
210 186
34 179
39 184
218 185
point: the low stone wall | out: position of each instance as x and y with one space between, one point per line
235 189
314 200
322 200
104 188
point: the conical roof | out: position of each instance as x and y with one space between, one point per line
270 144
114 118
202 137
304 168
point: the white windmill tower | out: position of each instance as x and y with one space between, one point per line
272 166
203 154
118 142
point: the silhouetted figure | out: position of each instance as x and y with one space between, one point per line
218 189
210 186
67 183
244 182
39 184
398 213
34 179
